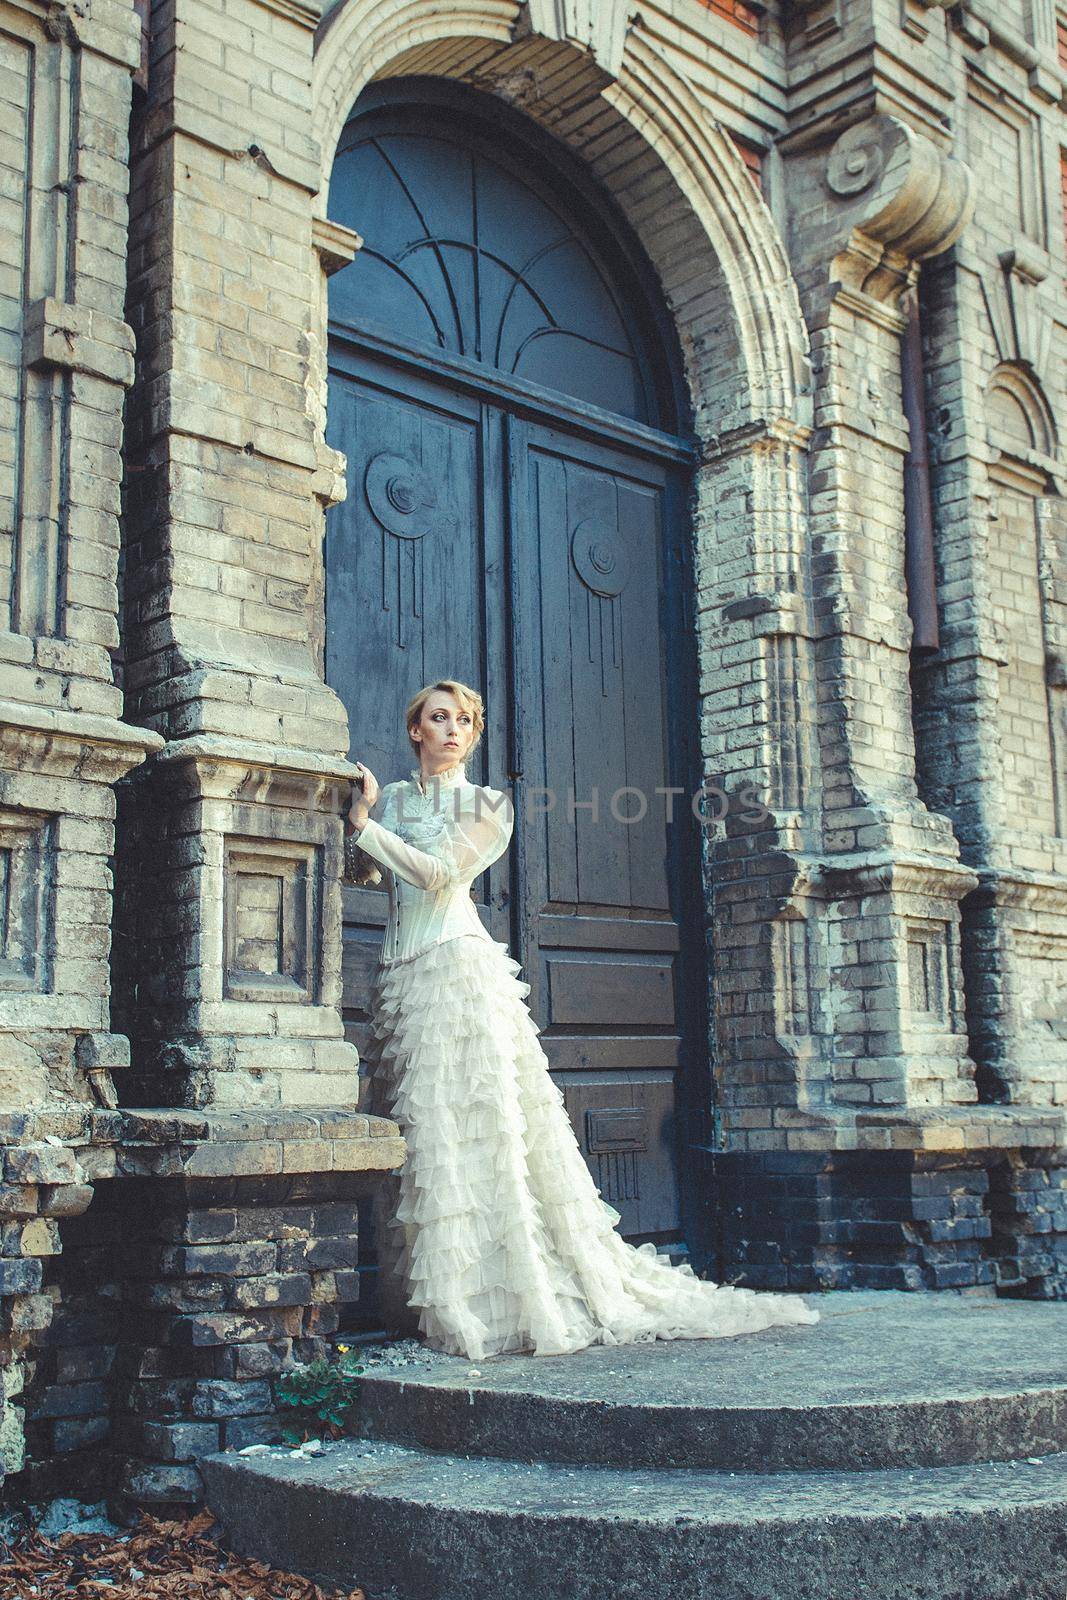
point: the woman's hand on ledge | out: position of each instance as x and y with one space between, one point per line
362 800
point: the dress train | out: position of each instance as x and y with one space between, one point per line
499 1239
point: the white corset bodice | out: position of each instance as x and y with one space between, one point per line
433 843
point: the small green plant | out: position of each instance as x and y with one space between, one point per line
319 1395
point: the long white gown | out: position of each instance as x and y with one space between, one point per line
500 1240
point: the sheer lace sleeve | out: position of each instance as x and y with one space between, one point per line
473 835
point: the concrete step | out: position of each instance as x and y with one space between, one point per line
912 1446
412 1525
885 1379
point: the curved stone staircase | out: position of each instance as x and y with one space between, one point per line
906 1446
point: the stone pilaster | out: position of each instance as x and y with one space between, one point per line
229 927
990 705
233 991
871 924
66 360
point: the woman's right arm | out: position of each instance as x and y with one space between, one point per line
360 867
468 842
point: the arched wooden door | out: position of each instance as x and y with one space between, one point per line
501 384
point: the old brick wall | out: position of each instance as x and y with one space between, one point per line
887 962
989 706
849 999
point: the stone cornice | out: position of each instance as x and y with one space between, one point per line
868 307
334 244
74 730
876 871
175 117
305 13
217 748
764 433
217 767
1021 890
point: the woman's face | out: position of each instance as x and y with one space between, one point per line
444 733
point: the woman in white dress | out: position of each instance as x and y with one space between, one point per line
499 1238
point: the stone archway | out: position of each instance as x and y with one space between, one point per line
713 243
616 101
675 174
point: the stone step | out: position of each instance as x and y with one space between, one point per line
885 1379
906 1446
407 1524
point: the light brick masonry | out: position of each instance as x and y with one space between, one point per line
888 982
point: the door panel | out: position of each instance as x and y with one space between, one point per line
507 389
511 555
598 929
406 564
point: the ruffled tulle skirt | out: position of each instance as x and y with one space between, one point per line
496 1233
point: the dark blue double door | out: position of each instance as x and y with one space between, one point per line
541 560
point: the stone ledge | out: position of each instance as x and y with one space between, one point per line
254 753
87 727
883 870
962 1128
1021 889
168 1143
970 1128
77 339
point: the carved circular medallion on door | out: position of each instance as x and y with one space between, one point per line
599 558
403 498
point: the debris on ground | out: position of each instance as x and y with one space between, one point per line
67 1515
403 1353
156 1560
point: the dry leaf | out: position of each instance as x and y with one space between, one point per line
157 1560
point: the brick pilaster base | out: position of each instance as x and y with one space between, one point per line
904 1219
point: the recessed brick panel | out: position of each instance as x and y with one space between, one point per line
270 922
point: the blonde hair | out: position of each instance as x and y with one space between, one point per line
469 699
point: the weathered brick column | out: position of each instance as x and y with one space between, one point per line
231 860
44 1183
231 1254
877 919
66 359
836 915
889 879
991 703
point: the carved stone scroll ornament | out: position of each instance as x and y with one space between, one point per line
908 199
598 26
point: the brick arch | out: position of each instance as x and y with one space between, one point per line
674 173
1019 417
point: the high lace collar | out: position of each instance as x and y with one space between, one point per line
447 779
